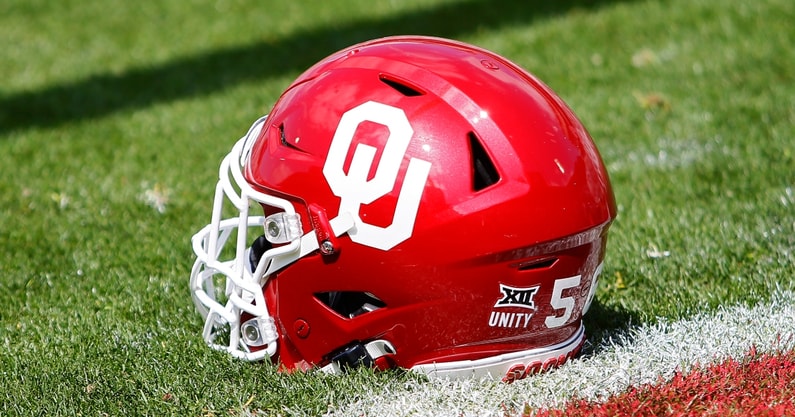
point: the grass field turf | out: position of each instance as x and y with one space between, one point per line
114 116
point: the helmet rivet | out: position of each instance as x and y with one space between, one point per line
250 333
301 328
273 229
327 247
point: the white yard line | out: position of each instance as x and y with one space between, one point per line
644 354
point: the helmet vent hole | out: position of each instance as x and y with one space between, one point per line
537 264
484 173
283 139
400 86
350 304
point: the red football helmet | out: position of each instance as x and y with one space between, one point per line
427 204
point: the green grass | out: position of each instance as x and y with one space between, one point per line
108 107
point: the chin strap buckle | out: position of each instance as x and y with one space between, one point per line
326 239
375 354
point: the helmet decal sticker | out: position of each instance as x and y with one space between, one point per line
514 297
354 188
510 320
558 301
517 297
592 290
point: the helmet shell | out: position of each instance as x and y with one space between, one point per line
494 192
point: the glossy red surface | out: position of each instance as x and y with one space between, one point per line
552 200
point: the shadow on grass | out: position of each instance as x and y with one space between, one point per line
603 321
203 74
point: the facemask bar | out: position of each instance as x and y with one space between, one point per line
244 286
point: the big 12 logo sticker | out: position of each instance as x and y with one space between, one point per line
354 189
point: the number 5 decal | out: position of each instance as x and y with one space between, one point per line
354 189
560 302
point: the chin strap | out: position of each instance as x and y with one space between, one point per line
372 354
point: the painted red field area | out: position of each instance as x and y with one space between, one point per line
759 385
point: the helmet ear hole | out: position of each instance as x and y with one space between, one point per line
350 304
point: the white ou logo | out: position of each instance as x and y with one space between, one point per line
354 189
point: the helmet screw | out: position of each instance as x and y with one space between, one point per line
272 228
301 328
327 247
